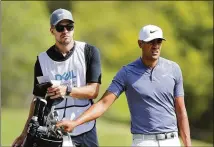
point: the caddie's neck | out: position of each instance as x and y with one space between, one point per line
64 48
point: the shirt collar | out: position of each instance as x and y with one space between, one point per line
158 63
148 69
56 55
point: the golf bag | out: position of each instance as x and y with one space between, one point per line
42 130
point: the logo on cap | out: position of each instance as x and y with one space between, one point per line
153 31
61 14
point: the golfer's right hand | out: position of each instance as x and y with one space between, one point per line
19 141
67 125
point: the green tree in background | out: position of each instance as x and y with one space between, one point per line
25 28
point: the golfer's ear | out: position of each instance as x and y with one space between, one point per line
140 43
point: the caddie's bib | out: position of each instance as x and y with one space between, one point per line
70 72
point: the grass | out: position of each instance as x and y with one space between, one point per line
109 133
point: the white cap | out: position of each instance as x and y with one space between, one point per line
150 32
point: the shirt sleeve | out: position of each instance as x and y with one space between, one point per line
118 84
93 71
37 73
178 89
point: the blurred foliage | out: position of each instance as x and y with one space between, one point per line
53 5
113 27
24 35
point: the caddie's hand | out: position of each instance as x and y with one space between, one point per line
56 91
67 125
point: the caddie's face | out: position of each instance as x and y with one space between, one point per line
151 49
63 32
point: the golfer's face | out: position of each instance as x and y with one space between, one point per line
63 32
152 48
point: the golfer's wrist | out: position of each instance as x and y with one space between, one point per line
76 123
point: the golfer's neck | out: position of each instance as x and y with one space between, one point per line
149 63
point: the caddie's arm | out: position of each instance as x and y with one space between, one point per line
20 139
93 76
94 112
90 91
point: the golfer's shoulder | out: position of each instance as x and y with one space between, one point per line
132 66
168 63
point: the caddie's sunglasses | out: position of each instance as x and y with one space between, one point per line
60 28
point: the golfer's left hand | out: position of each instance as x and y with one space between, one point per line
56 91
67 125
